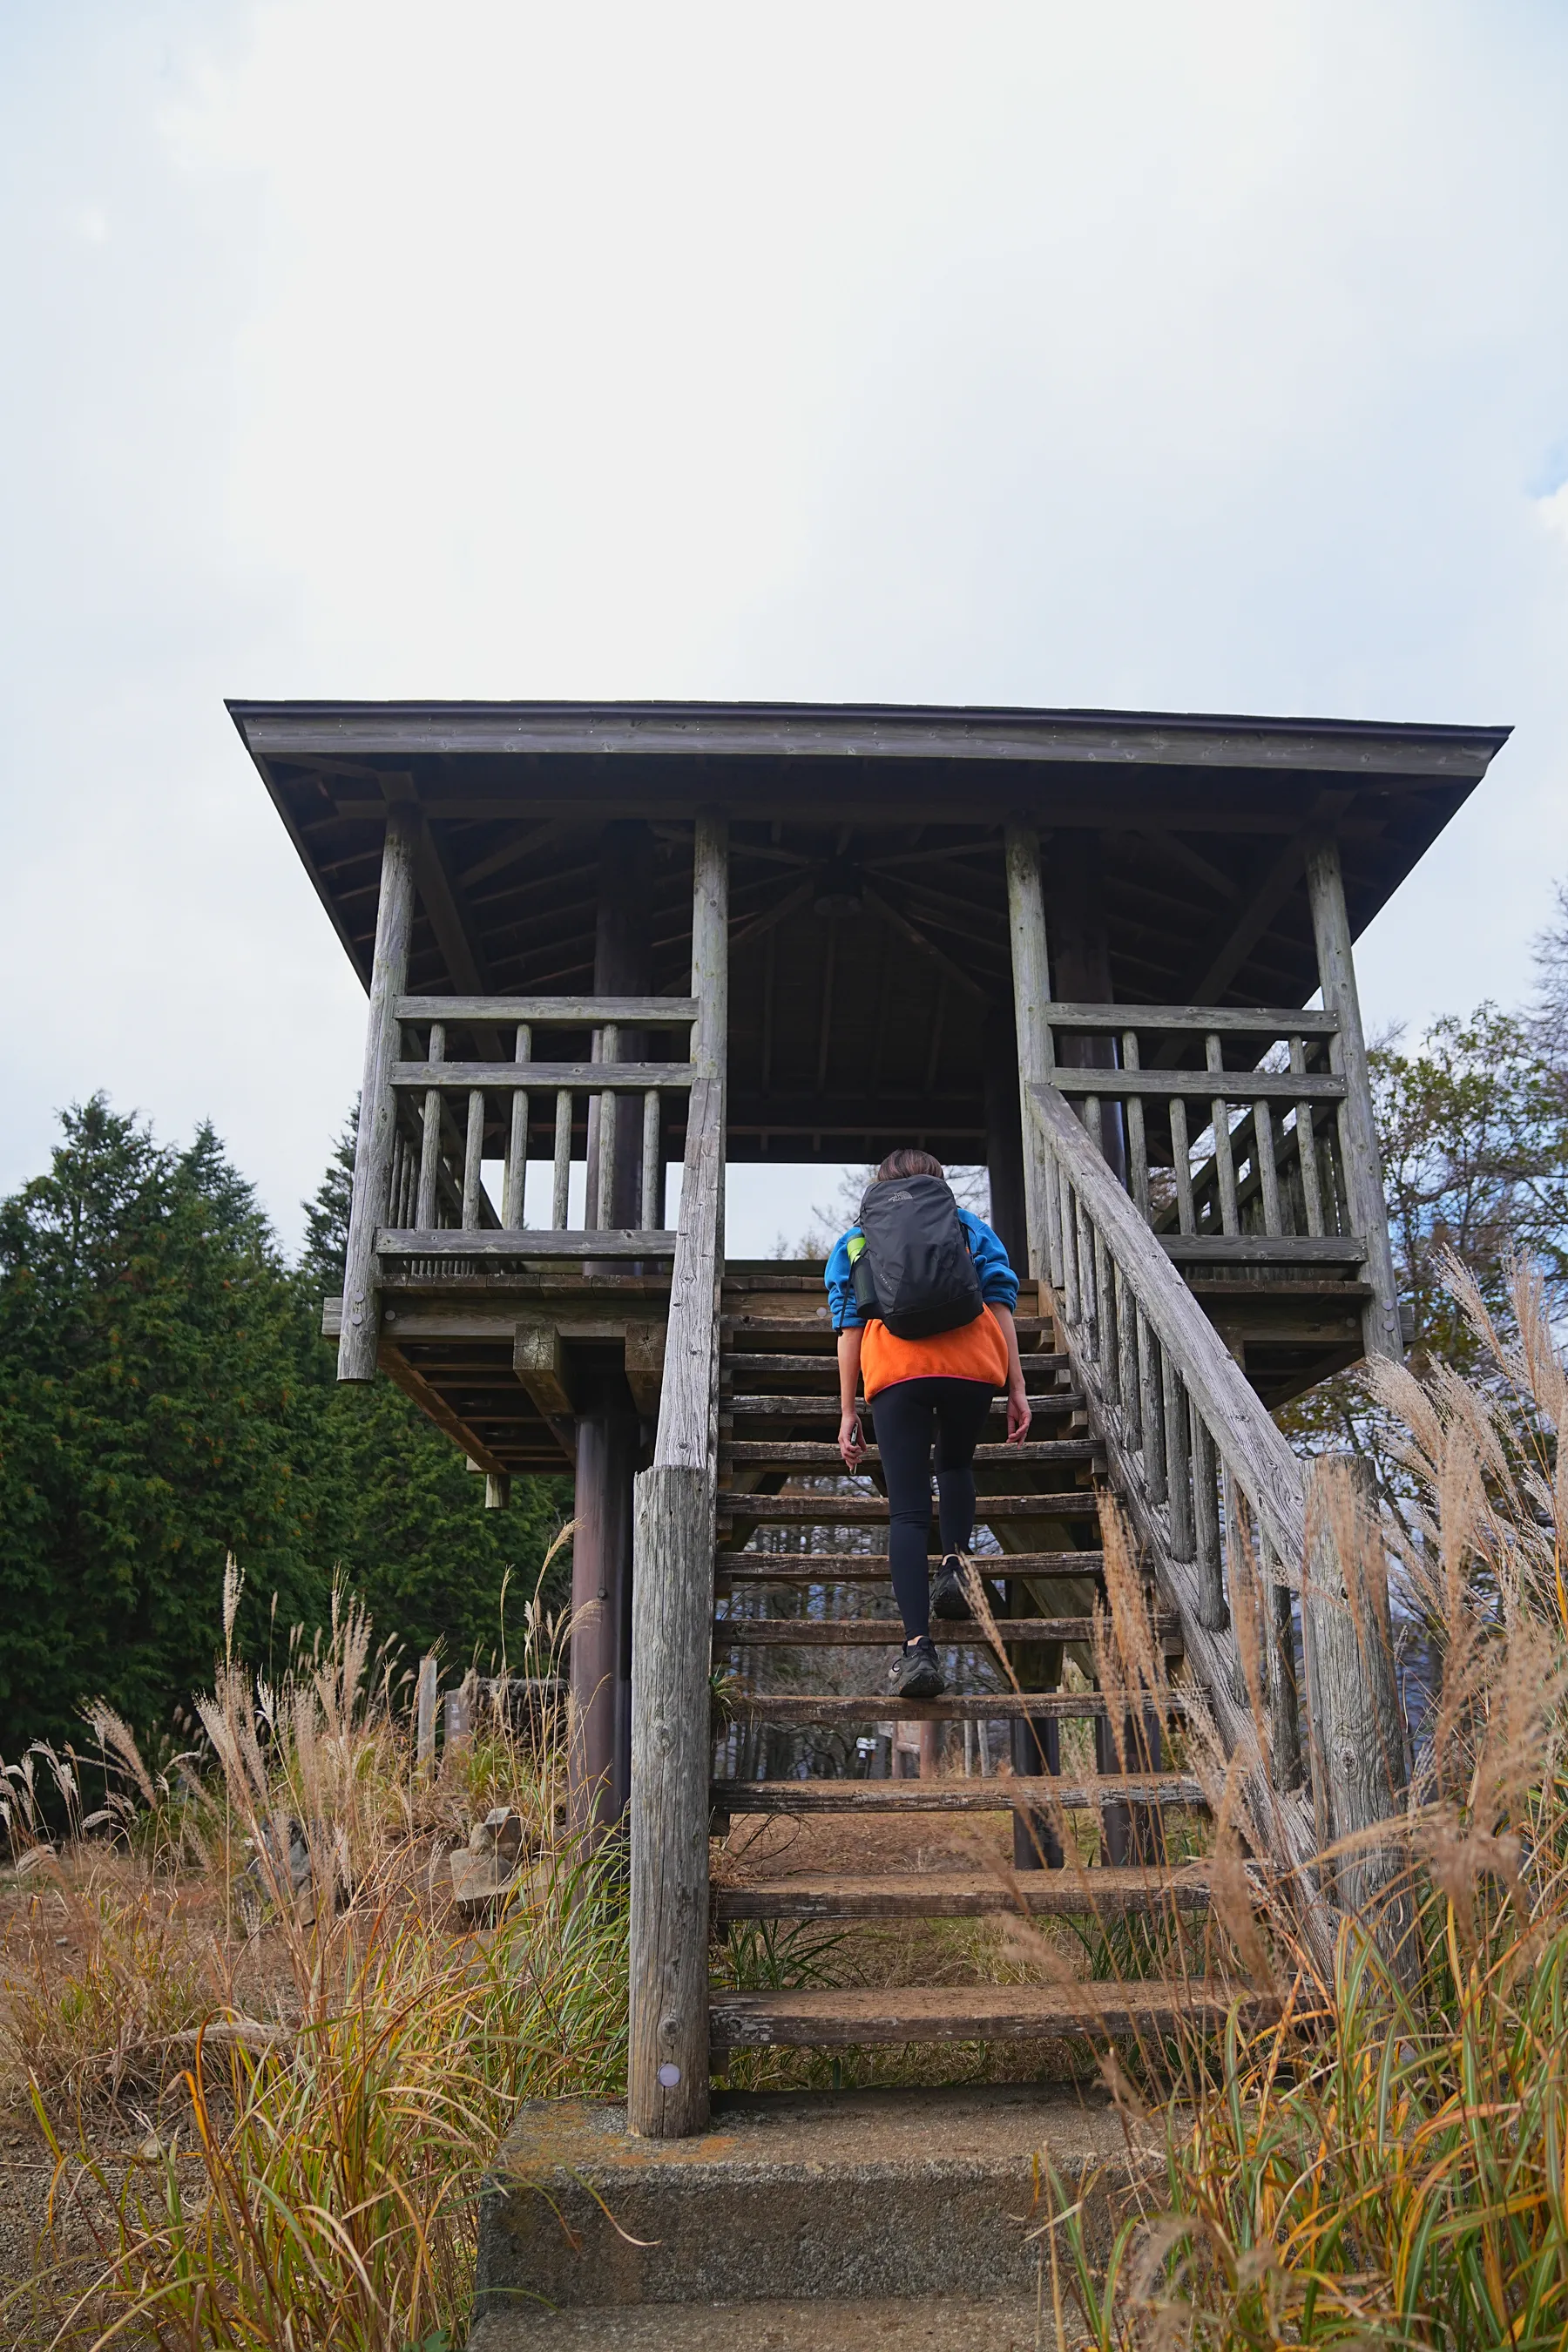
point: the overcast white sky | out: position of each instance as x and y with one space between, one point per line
1198 356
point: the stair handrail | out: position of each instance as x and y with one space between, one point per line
1118 1290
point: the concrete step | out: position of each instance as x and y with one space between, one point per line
812 2198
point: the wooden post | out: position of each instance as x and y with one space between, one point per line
1031 1006
1005 1137
672 1588
1356 1726
672 1640
1358 1126
623 966
607 1443
425 1715
361 1330
1082 939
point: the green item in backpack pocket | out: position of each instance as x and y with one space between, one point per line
860 1271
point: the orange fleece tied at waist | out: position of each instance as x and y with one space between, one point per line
975 1352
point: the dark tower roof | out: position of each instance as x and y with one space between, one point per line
868 903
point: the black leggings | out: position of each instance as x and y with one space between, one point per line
904 1417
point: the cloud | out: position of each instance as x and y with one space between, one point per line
1135 355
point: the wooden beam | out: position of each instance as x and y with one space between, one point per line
1229 1086
1172 847
495 1248
1032 1012
544 1077
522 845
881 736
889 914
790 904
1225 1020
544 1011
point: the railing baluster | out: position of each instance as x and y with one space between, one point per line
1088 1301
409 1182
473 1154
1127 1357
652 1161
1152 1408
1055 1260
516 1180
430 1141
1224 1155
1178 1468
1181 1159
1137 1141
1307 1145
560 1178
1094 1123
1211 1613
1070 1290
1106 1333
1267 1171
604 1214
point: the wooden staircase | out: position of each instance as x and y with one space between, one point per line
781 1476
1139 1400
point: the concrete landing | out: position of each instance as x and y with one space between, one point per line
830 2200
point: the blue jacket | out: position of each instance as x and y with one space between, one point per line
998 1283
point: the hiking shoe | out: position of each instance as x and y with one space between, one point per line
916 1674
948 1598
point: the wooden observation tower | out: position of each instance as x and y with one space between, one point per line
604 942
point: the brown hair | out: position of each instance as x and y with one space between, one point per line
907 1163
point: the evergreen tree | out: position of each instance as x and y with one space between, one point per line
154 1414
166 1398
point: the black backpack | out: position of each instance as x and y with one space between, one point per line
915 1271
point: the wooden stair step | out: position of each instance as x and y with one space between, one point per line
1014 1792
874 1568
816 1326
810 1453
854 1633
749 1406
966 1894
834 2017
872 1510
826 1363
954 1706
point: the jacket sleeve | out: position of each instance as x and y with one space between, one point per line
998 1283
840 1281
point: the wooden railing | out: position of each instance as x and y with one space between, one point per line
1216 1497
1252 1157
437 1204
429 1119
